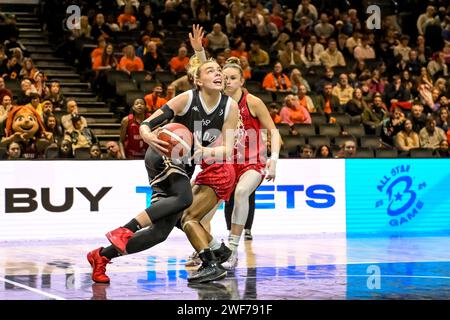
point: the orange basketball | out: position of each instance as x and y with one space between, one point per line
179 138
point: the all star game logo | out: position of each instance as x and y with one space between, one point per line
400 195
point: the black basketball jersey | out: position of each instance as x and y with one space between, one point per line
204 123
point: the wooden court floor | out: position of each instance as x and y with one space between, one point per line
319 267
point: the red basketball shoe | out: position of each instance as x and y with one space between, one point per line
119 239
98 264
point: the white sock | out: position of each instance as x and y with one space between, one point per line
214 244
234 241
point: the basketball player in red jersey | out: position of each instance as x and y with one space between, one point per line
130 140
249 154
212 117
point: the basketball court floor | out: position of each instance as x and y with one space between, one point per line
270 268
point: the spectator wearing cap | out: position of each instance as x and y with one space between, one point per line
72 109
79 135
179 62
47 108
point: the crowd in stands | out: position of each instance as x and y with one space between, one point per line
334 87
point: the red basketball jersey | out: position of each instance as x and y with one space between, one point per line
135 147
250 146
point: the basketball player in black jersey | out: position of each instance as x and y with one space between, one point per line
208 114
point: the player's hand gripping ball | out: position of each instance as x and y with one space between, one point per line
179 138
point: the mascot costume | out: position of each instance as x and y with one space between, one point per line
24 126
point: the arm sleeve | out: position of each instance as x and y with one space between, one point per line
166 116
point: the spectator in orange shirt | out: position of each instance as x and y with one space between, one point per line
154 100
240 50
127 21
293 112
178 63
246 67
274 113
277 81
97 52
130 62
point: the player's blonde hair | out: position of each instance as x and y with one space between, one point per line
194 67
